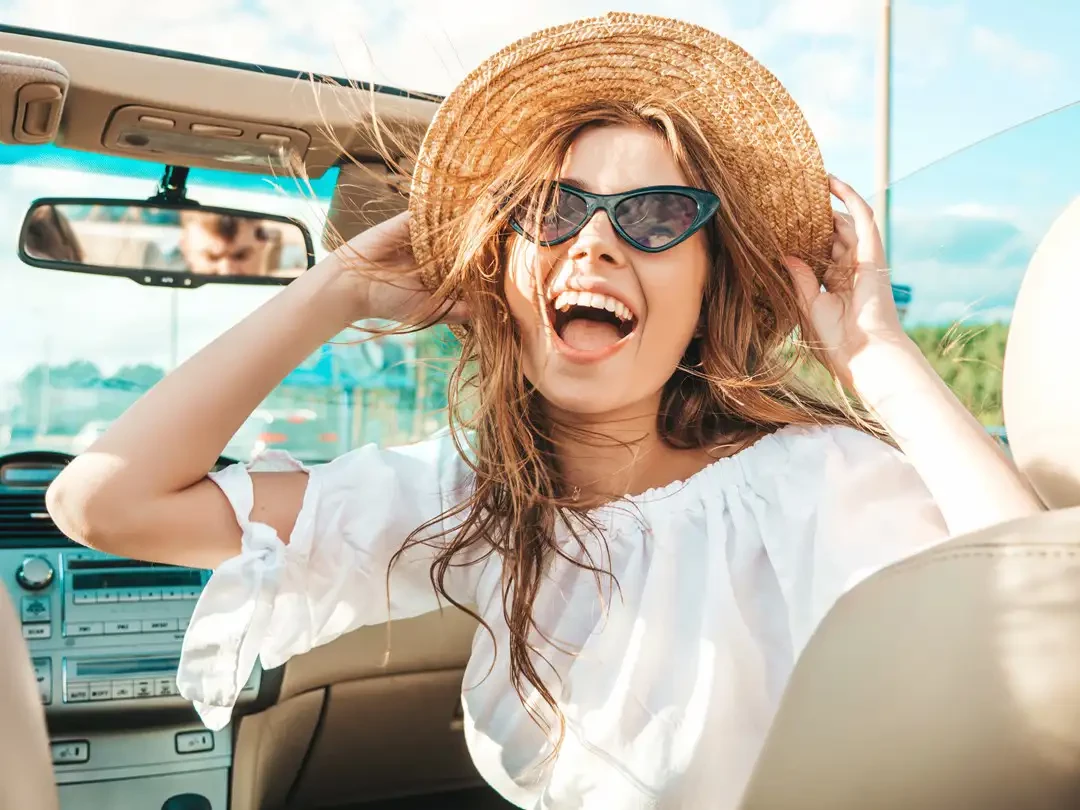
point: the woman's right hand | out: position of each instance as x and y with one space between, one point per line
381 262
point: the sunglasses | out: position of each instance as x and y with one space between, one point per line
652 219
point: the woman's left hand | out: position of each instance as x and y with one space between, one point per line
855 310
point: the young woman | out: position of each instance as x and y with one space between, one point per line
643 503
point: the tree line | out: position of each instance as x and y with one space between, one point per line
969 359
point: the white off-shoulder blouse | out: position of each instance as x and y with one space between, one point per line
667 683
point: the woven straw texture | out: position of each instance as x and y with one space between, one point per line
741 107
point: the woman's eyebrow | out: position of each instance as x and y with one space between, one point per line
573 181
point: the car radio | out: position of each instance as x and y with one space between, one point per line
115 596
103 628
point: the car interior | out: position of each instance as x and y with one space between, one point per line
344 725
970 699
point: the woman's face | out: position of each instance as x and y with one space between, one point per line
588 366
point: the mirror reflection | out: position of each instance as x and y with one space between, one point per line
130 237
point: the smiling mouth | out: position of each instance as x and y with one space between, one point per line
590 323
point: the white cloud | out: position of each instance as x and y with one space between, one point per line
936 29
843 18
1004 51
834 87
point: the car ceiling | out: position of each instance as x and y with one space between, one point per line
115 90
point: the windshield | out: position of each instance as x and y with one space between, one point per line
79 349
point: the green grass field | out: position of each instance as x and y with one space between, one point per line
970 360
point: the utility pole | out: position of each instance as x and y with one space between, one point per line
884 128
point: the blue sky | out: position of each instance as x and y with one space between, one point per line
963 71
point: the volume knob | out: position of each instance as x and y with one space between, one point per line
34 574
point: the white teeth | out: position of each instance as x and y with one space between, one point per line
564 300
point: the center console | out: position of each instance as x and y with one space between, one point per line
103 628
104 635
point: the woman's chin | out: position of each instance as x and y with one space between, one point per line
587 397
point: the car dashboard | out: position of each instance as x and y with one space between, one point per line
104 635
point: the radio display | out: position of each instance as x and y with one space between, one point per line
110 667
136 579
28 475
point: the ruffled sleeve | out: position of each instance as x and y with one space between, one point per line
276 600
853 505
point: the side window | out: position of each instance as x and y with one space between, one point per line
355 390
961 234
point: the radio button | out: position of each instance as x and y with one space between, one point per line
172 594
123 690
101 691
68 753
192 742
192 593
129 596
164 687
150 595
158 625
144 688
115 628
36 631
36 609
84 598
35 574
77 693
84 629
108 596
43 676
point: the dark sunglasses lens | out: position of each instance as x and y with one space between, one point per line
562 212
656 219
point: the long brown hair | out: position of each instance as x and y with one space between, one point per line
741 378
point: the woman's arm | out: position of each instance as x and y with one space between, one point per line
858 328
141 489
972 480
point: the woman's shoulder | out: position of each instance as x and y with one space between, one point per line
813 443
822 452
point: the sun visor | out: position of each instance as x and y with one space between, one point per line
366 194
32 93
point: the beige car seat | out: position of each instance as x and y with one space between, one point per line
26 775
953 680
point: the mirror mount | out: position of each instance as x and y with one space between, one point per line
172 190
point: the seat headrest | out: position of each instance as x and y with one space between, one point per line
1041 386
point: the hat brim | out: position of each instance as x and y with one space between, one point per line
740 106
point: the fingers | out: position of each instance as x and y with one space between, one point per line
838 277
806 283
868 246
844 228
845 240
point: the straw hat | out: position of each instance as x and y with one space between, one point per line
741 107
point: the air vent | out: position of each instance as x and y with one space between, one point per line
23 517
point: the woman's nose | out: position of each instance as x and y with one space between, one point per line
597 241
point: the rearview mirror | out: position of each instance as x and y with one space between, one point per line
181 244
